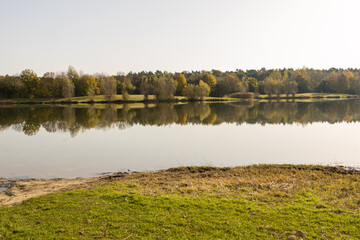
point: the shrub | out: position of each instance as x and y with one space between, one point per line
247 95
196 92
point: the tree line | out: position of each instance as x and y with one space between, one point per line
193 85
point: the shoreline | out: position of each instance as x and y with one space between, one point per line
100 99
13 192
250 202
9 102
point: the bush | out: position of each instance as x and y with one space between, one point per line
164 88
196 92
247 95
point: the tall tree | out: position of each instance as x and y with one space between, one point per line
209 79
12 87
290 87
303 82
202 90
252 84
164 88
108 86
48 86
229 83
181 83
30 80
86 85
67 86
147 85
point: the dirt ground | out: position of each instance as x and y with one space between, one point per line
22 190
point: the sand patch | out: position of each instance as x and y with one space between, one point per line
23 190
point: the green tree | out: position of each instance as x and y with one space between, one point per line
343 84
285 76
355 85
290 87
196 92
147 85
303 80
343 81
332 82
72 74
67 86
216 73
189 92
12 87
164 88
303 83
276 75
270 86
48 86
126 87
252 84
86 85
228 84
30 80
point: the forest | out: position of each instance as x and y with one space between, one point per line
194 85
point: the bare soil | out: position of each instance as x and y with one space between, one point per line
22 190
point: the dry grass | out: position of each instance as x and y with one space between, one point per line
335 185
254 202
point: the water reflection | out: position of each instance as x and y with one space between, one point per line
75 119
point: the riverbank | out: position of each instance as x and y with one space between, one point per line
261 201
104 99
313 96
101 99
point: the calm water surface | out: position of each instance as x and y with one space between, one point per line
82 141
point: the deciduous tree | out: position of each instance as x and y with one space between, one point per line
30 80
67 86
209 79
108 86
181 83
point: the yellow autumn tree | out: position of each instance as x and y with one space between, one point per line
209 79
181 83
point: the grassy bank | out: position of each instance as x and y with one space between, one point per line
140 99
101 99
310 96
255 202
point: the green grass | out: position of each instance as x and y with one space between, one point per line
99 99
256 202
311 95
140 98
84 99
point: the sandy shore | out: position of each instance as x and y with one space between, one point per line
22 190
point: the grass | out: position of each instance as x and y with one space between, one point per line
312 95
254 202
83 99
140 98
98 99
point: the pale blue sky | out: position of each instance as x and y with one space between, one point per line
111 36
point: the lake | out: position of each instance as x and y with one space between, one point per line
88 140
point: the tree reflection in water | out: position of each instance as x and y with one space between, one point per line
75 119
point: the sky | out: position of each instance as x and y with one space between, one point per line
147 35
